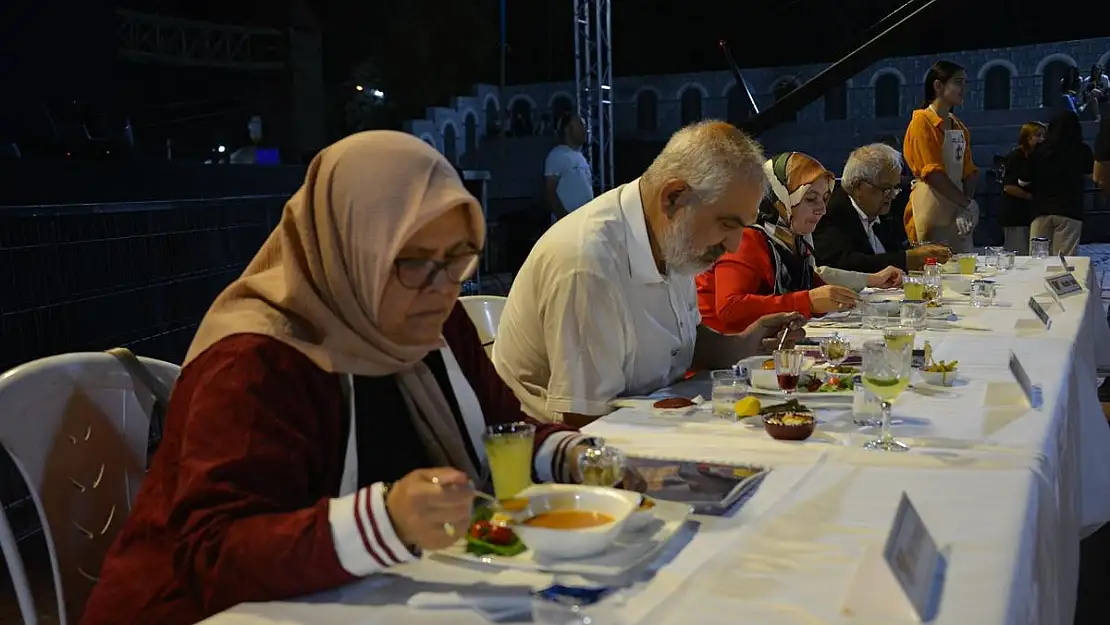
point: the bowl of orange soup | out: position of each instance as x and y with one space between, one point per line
570 521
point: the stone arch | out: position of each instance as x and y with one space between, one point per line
692 85
736 105
555 96
837 106
879 73
995 63
470 132
521 97
1053 69
429 139
1055 56
647 109
887 92
783 86
996 86
692 102
450 133
492 110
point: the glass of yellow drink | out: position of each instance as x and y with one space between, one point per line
886 373
897 338
914 287
967 263
509 453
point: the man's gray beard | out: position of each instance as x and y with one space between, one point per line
677 245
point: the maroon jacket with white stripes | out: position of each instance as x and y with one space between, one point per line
245 499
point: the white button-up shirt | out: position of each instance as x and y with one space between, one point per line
869 228
590 317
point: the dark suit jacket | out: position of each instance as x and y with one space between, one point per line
840 240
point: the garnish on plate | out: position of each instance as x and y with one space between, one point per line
486 537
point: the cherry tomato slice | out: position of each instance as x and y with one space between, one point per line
499 535
480 529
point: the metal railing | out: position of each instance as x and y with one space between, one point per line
96 276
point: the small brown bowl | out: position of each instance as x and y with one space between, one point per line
790 431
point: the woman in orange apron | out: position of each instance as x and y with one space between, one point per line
937 148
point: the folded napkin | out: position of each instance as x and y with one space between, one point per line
492 603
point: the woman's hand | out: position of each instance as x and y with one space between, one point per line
830 298
430 508
889 278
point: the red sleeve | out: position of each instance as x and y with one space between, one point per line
742 282
499 404
251 476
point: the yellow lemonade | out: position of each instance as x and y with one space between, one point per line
887 389
510 463
899 339
967 264
914 290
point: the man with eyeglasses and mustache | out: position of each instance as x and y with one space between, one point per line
849 236
605 304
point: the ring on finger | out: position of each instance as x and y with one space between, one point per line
449 529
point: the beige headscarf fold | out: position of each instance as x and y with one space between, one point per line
318 281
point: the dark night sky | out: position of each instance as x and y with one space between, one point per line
429 50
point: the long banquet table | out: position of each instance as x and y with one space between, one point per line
1008 490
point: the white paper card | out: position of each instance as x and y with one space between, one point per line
1063 285
1032 391
1039 310
903 580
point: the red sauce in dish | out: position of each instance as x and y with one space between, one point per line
673 402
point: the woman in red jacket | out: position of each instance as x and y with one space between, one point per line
329 415
774 270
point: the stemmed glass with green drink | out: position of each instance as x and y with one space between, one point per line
886 373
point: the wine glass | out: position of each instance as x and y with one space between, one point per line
835 349
897 337
886 373
788 369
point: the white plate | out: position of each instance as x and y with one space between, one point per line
631 549
801 395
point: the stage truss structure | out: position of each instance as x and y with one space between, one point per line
593 81
175 41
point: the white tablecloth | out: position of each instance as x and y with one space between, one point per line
1005 487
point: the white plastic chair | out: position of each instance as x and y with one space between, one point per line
76 427
485 313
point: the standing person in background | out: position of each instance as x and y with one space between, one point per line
1102 155
937 147
569 182
1058 173
1016 213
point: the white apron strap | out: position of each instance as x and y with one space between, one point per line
348 483
469 408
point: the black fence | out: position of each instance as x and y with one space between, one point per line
138 275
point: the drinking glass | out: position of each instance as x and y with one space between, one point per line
992 254
1006 260
913 314
728 388
509 452
788 369
835 349
896 338
982 293
913 286
872 315
967 263
601 466
886 373
1039 247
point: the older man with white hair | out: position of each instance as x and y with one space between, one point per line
605 304
847 237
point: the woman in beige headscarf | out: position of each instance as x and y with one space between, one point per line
328 418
